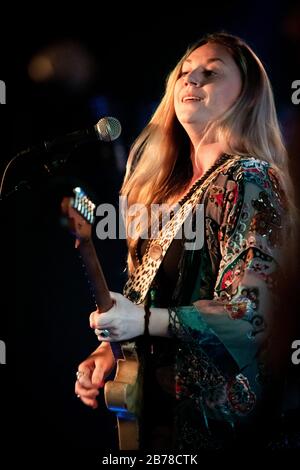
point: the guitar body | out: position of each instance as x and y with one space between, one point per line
123 394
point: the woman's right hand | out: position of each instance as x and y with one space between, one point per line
92 373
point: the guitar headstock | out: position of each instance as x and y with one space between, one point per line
79 215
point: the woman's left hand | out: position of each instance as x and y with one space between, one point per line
123 321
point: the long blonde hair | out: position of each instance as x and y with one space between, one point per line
159 162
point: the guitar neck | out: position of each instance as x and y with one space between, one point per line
103 299
89 256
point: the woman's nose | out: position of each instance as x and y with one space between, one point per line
192 79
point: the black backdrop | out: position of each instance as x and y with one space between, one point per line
45 298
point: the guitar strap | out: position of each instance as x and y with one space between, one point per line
139 282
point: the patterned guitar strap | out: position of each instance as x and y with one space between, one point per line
138 284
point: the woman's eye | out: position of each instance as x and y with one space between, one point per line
183 72
209 73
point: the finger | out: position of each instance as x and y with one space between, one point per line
98 376
84 392
82 387
105 339
102 320
106 336
89 402
92 318
84 377
105 332
84 370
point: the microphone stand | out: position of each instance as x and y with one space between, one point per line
20 186
48 166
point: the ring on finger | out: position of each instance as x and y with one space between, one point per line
105 333
79 374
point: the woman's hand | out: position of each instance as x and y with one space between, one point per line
92 373
123 321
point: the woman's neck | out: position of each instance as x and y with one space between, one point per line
203 157
206 157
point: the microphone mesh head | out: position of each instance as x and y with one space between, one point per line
108 128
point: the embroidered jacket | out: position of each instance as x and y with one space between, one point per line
219 364
222 307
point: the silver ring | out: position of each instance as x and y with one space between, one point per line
78 396
79 374
105 333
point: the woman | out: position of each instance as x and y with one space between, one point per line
215 140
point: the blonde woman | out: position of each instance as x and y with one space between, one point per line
214 139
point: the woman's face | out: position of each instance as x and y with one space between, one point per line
209 84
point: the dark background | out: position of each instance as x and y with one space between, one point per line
103 64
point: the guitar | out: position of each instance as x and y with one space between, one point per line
123 394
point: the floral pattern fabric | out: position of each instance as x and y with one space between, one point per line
222 316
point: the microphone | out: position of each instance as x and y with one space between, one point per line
107 129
